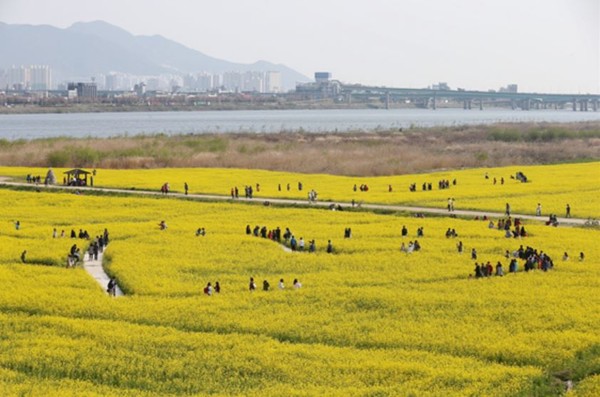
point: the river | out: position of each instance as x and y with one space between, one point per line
31 126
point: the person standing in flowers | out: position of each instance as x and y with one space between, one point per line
252 285
266 285
112 287
499 269
185 187
459 247
329 247
478 272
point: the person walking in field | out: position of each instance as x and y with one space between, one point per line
217 287
507 210
281 285
568 211
266 285
538 210
329 247
185 187
252 285
23 256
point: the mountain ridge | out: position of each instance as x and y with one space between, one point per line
86 49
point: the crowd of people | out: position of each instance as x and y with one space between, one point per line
426 186
505 224
287 239
95 247
531 257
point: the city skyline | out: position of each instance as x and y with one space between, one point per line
543 46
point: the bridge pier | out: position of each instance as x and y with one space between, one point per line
583 105
467 104
387 100
595 106
433 103
574 104
480 104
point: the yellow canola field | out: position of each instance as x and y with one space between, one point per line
368 320
553 186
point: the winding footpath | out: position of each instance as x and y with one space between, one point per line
95 269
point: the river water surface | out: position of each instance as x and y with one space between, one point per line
30 126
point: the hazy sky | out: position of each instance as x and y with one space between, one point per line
541 45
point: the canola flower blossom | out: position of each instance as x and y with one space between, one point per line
553 186
369 319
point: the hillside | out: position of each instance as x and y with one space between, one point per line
86 49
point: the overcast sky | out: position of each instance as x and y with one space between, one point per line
541 45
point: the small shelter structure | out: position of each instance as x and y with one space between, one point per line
76 177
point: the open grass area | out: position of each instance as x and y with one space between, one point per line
369 319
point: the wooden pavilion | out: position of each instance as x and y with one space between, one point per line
76 177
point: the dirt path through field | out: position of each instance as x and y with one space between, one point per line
303 203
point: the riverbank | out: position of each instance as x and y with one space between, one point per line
386 152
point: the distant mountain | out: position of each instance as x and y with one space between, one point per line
90 48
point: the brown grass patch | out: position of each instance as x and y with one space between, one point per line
361 154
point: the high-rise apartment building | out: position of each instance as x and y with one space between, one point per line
273 82
33 77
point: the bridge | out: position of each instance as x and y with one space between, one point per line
429 98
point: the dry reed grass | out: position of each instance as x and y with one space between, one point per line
361 154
